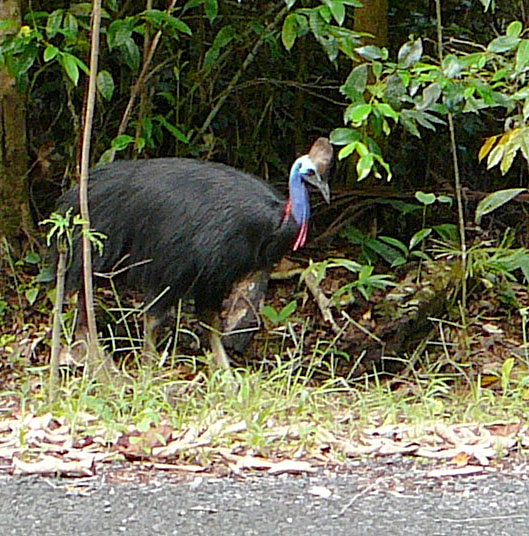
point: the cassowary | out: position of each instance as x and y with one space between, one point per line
182 228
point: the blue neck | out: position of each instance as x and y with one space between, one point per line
299 197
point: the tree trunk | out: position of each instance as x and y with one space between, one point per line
372 18
15 219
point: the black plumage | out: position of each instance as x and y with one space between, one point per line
182 228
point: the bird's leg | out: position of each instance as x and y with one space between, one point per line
150 323
214 326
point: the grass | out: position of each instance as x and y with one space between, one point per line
287 404
293 406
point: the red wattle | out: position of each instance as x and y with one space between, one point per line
301 238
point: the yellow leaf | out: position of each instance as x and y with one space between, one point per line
510 152
486 147
488 379
461 459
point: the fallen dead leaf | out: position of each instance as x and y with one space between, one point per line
460 471
461 459
291 467
49 465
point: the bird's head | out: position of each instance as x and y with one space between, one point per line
308 168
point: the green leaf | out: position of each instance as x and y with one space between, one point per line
54 23
522 56
515 28
70 28
495 155
8 26
181 26
391 255
425 198
289 32
504 43
387 111
364 166
347 150
344 136
494 201
212 8
69 64
131 54
176 132
190 4
356 82
224 37
106 157
50 52
84 9
446 199
370 52
159 18
287 310
395 243
452 66
31 294
32 258
419 236
410 53
269 312
448 232
105 84
337 9
430 95
122 142
358 112
120 31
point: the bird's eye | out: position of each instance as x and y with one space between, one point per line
310 172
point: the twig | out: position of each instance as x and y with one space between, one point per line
56 332
365 491
457 176
324 303
140 80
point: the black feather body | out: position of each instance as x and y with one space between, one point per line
188 226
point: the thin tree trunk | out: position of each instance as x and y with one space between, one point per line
96 361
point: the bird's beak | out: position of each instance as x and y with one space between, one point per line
320 155
316 180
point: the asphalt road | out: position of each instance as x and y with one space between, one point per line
388 497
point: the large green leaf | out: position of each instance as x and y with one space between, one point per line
105 84
289 31
495 200
522 55
410 53
212 8
70 67
504 43
343 136
53 24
